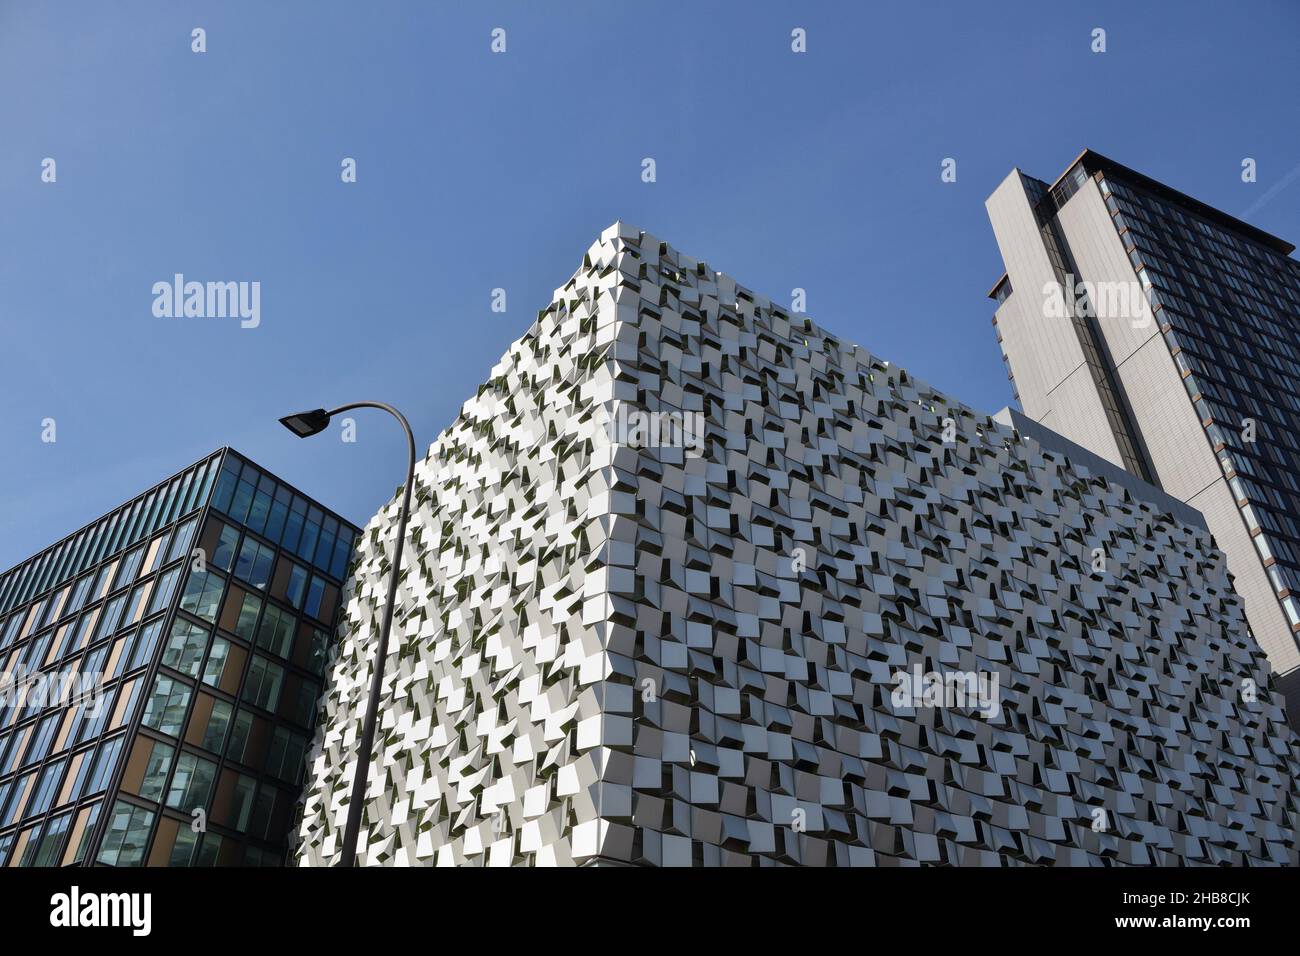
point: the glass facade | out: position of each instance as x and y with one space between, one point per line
1228 304
161 669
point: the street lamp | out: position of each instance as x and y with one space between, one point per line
305 424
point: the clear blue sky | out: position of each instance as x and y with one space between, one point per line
478 171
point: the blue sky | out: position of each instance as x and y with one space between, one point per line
479 170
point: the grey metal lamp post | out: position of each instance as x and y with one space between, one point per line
305 424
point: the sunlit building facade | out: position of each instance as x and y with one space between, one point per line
617 643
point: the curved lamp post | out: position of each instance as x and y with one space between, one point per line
305 424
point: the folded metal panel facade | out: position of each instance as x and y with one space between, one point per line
693 582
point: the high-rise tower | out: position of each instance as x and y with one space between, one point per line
1164 335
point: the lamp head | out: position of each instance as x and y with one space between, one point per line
305 424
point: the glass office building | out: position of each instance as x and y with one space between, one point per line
1198 390
161 668
1229 309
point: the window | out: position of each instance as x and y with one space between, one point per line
77 633
209 851
11 629
93 715
241 804
101 583
79 593
130 565
314 595
261 506
1292 612
310 533
240 732
263 812
325 548
124 840
223 555
157 551
214 672
155 771
293 527
214 735
82 761
15 807
192 783
297 586
145 643
254 564
162 593
181 543
164 512
46 787
25 839
165 711
225 484
248 612
203 595
276 632
183 849
304 705
46 851
262 687
102 769
41 740
51 607
243 496
135 606
185 647
92 664
319 651
127 644
285 755
34 656
342 551
255 856
108 620
86 821
279 511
